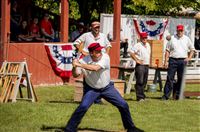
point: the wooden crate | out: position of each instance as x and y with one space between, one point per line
157 57
119 85
78 91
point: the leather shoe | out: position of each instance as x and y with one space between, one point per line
164 98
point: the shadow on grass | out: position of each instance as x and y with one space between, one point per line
93 130
61 101
52 128
61 129
159 98
130 99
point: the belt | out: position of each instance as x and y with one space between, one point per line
141 64
177 58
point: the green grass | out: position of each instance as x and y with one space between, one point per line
56 105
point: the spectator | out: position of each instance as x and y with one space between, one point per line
197 40
23 32
35 31
96 68
123 42
140 52
15 22
34 28
46 28
78 32
177 54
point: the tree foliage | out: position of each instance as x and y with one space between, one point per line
49 5
88 10
74 10
161 7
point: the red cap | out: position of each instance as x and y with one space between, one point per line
180 27
94 46
143 35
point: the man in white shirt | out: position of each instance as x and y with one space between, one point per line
96 69
140 52
177 55
93 36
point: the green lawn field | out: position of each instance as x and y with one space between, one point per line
55 106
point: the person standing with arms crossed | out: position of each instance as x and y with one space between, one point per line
96 68
177 55
140 52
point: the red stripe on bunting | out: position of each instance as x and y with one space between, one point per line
66 47
64 74
166 23
136 26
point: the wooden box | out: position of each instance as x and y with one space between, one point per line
119 85
78 91
156 59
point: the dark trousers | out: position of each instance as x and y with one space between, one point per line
110 94
141 74
175 65
86 89
124 45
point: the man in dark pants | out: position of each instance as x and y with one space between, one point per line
141 54
177 55
96 68
82 43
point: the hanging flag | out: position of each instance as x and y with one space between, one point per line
155 27
60 57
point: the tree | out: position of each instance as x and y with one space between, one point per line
160 7
49 5
90 9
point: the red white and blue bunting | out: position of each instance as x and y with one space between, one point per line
154 27
60 57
